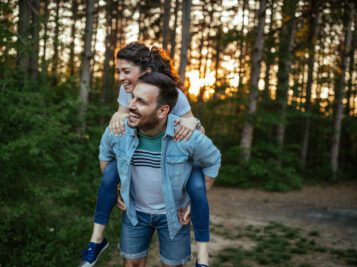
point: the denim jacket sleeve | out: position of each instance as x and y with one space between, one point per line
106 152
202 150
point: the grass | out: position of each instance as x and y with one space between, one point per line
275 245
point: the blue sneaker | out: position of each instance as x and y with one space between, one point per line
91 252
200 265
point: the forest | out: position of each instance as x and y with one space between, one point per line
274 83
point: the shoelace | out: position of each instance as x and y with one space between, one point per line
89 253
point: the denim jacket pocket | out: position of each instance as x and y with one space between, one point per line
176 164
121 157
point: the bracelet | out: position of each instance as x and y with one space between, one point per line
198 126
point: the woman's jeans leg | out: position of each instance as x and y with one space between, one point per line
196 188
107 193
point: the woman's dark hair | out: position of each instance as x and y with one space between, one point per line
155 58
168 93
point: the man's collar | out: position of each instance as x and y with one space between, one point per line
170 128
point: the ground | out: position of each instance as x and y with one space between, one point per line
315 226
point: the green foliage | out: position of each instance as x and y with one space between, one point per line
263 170
49 175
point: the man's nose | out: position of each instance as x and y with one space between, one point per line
131 104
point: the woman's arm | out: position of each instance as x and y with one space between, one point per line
187 124
116 125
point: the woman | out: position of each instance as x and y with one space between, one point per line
132 61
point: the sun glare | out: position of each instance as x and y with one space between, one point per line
196 83
324 93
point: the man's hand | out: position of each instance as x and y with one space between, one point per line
116 125
120 202
184 214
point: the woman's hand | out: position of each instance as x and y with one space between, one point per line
120 202
184 214
116 125
185 128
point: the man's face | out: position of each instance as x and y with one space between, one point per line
128 74
143 112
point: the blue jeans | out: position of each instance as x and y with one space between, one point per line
107 195
135 240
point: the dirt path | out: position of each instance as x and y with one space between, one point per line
329 211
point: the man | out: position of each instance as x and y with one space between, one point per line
153 170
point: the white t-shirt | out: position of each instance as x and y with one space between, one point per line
181 108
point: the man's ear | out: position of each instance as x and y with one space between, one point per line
163 112
148 70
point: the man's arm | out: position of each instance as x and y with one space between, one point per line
202 150
106 151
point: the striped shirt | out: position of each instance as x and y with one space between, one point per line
146 176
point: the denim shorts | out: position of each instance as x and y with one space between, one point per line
135 240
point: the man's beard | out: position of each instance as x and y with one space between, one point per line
149 124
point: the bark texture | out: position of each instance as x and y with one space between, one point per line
173 32
87 56
185 42
286 46
166 24
339 92
23 35
257 55
314 18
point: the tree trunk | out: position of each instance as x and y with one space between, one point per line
35 32
185 42
120 18
166 24
314 18
45 35
240 60
285 53
141 19
73 35
257 55
202 30
269 59
173 32
107 56
87 56
56 40
94 44
352 69
22 58
339 94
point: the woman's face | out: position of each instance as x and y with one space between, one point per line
128 74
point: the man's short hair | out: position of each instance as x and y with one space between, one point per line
167 91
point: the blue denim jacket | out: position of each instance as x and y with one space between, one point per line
176 164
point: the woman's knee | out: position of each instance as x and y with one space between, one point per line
110 175
196 182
